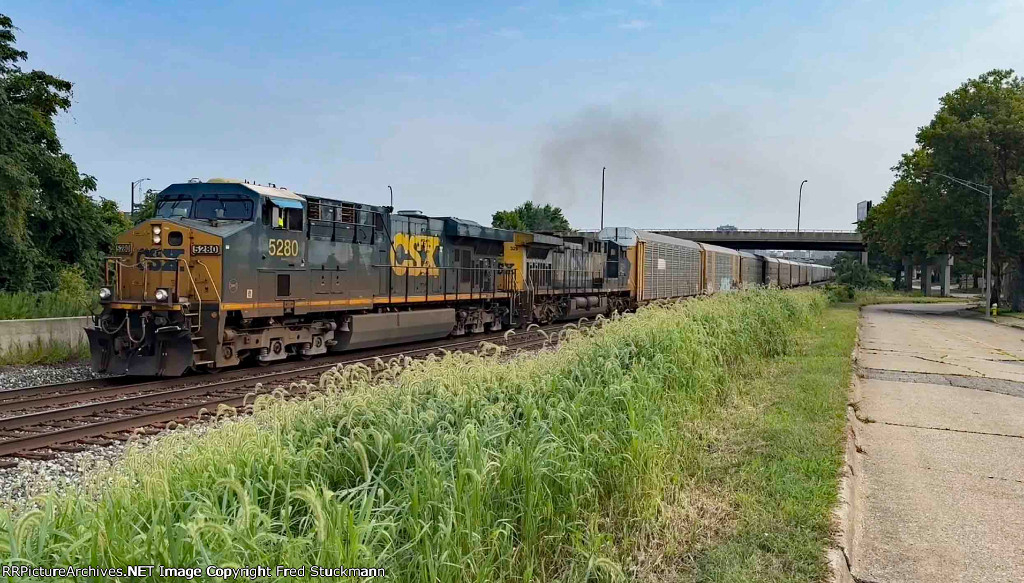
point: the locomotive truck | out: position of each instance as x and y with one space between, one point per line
228 271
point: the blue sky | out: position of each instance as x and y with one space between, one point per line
705 113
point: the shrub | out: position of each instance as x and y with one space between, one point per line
839 292
853 273
73 297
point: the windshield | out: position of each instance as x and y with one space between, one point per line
223 209
210 209
173 208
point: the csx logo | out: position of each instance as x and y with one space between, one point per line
159 259
413 254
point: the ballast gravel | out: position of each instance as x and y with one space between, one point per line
15 377
22 486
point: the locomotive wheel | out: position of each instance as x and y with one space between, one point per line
305 356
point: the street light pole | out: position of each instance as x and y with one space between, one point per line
392 197
986 190
988 257
135 183
799 204
602 197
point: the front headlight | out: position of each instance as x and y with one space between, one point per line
105 294
156 239
161 295
156 229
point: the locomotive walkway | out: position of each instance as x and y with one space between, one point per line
939 480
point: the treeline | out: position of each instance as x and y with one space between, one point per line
50 226
977 135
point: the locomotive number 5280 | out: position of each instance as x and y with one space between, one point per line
284 247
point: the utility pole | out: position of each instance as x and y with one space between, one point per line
799 204
988 257
602 197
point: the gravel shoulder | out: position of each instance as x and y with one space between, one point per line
14 377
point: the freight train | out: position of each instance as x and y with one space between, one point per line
230 271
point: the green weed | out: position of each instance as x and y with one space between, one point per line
72 297
44 352
460 468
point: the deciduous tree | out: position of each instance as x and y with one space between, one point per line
977 134
531 217
48 221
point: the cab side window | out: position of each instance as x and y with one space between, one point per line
288 219
293 219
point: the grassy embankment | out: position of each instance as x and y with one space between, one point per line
699 440
866 298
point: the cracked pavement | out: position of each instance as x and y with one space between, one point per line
941 490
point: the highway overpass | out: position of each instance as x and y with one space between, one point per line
766 239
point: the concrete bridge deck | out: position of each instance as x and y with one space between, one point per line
768 239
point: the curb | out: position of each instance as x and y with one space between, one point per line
840 556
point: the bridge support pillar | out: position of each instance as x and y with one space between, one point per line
945 267
864 258
908 274
926 278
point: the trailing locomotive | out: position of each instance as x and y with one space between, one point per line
228 271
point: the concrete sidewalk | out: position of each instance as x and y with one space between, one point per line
940 495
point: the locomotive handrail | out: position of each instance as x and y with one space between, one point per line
571 281
199 296
216 292
144 265
501 281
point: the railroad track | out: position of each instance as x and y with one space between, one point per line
39 422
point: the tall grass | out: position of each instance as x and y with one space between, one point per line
461 468
23 305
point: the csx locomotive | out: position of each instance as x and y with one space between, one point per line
228 271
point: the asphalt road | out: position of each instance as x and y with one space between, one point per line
941 490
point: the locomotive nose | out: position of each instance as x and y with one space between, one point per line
161 291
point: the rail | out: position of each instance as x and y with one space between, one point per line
39 426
